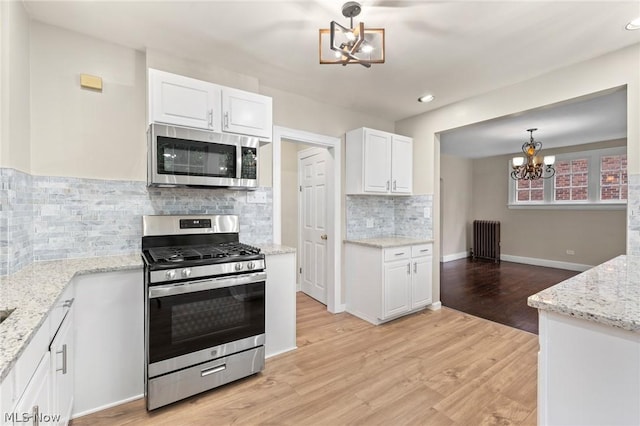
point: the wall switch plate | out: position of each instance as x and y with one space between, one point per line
571 252
369 223
256 197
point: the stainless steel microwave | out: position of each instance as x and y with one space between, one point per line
180 156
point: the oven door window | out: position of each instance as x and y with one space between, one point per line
190 322
193 158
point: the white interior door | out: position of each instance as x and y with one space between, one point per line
312 180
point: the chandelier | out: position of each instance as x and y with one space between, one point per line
530 167
353 45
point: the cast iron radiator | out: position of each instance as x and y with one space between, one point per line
486 240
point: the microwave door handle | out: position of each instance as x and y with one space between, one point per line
208 284
239 162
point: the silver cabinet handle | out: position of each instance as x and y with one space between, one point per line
67 303
387 185
424 250
226 120
394 185
399 254
213 370
415 267
408 268
64 359
211 118
36 414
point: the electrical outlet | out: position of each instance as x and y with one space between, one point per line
369 223
572 252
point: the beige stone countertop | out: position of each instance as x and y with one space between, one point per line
268 249
34 290
388 242
608 294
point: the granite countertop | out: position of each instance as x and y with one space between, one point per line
388 242
608 294
34 290
268 249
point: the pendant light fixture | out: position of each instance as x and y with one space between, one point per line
353 45
532 166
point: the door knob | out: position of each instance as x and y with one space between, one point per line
323 236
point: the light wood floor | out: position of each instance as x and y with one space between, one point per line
432 368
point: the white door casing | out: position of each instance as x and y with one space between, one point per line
335 300
312 221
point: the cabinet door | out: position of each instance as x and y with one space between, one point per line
377 168
62 370
397 282
183 101
247 113
34 406
421 281
401 164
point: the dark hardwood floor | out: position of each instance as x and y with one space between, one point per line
497 291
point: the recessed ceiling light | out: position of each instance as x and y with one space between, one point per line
426 98
633 25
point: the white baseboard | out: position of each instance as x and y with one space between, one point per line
545 262
455 256
434 306
267 356
104 407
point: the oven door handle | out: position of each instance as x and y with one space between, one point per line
208 284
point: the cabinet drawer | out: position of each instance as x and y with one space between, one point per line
397 253
422 250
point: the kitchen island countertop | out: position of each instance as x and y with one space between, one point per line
34 290
608 294
389 242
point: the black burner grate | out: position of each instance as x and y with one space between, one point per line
215 251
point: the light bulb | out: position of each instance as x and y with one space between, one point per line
517 161
367 48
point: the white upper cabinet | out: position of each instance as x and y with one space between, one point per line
247 113
183 101
378 163
401 164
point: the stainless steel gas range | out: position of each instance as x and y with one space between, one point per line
204 305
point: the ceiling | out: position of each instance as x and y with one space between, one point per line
598 117
453 49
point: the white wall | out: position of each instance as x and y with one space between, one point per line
612 70
14 87
79 132
457 200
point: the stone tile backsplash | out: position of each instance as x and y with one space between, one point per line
409 216
633 215
43 218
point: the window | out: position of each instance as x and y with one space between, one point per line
613 177
572 180
530 190
596 178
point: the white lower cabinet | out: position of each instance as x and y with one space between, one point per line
280 319
44 391
34 406
109 356
383 284
62 370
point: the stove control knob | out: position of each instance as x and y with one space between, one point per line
239 266
251 265
186 272
170 275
